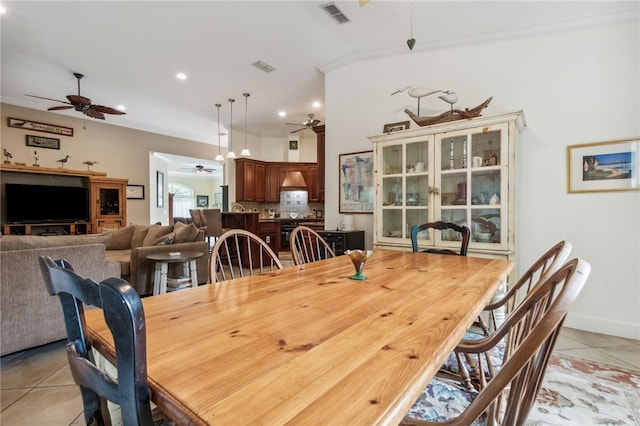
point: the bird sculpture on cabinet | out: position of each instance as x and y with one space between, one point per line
89 163
420 92
7 156
62 161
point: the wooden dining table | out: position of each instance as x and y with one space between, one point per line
307 345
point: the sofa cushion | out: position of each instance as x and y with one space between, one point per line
156 234
185 233
123 257
139 234
22 242
120 238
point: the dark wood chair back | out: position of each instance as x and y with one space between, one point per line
238 253
465 235
124 315
308 246
531 332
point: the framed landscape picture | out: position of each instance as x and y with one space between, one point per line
356 182
603 166
202 200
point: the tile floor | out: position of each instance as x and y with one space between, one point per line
37 388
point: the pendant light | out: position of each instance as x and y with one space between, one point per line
231 154
245 151
219 157
411 41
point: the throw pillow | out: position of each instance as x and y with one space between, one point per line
120 238
166 239
155 234
184 233
139 234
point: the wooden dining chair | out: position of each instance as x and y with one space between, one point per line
308 246
463 364
238 253
465 235
124 316
531 332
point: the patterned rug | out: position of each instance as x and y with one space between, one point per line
580 392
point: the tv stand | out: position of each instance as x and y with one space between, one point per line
107 200
43 229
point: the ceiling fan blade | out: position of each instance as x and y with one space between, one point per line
48 99
315 123
295 124
94 114
106 110
58 108
76 99
299 130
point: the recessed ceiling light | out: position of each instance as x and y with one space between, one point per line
316 104
121 108
181 76
2 9
282 114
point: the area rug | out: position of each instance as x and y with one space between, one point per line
581 392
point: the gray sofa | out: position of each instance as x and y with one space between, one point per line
29 316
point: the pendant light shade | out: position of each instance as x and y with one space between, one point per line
219 157
231 154
245 152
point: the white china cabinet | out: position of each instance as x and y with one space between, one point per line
462 172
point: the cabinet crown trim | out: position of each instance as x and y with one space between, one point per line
515 116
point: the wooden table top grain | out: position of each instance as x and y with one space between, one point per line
306 345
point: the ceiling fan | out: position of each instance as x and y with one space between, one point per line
82 104
199 169
308 124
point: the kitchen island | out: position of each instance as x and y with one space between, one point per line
267 229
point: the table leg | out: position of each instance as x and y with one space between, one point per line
194 273
160 278
156 278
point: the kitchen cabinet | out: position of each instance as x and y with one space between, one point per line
270 234
462 172
341 241
259 181
250 180
312 182
108 203
273 183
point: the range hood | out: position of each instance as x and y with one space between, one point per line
293 181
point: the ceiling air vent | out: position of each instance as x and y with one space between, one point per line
263 66
335 13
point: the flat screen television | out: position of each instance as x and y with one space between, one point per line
44 203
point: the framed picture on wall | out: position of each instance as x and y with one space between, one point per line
356 182
603 166
160 190
135 192
202 201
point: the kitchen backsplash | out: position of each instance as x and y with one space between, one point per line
290 201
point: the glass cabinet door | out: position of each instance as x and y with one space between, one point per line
472 178
109 202
404 191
